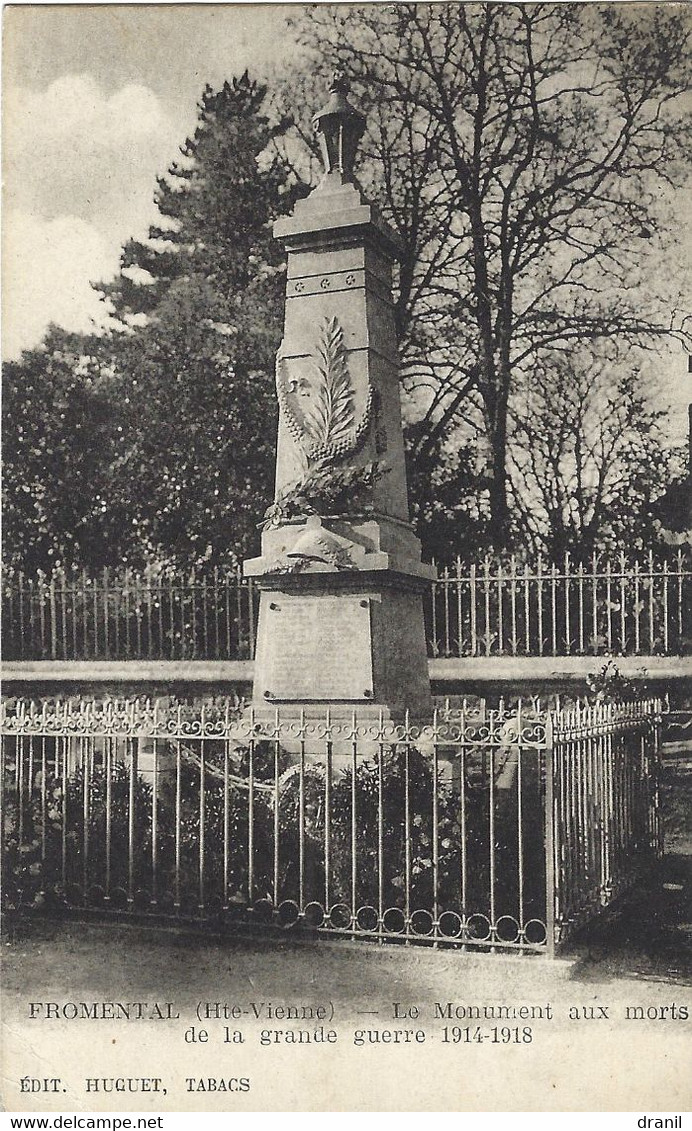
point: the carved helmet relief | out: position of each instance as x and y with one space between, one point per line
318 404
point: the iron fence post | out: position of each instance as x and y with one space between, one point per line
551 838
654 798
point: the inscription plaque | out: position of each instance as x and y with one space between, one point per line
321 648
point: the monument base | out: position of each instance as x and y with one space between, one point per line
348 642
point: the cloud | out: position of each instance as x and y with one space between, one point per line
72 150
80 171
47 268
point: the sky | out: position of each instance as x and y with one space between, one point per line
96 101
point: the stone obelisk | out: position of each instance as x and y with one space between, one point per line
341 577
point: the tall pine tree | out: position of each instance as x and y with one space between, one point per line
216 206
199 308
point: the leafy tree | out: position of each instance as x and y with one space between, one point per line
198 459
60 432
444 496
526 154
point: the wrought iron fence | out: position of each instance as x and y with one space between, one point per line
604 794
123 615
493 608
513 608
504 829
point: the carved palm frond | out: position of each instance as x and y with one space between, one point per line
332 413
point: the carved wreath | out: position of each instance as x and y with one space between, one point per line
326 432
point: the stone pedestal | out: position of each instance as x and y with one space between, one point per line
353 642
341 615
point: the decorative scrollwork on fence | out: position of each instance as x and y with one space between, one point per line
466 727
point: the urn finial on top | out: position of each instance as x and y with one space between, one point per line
339 127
